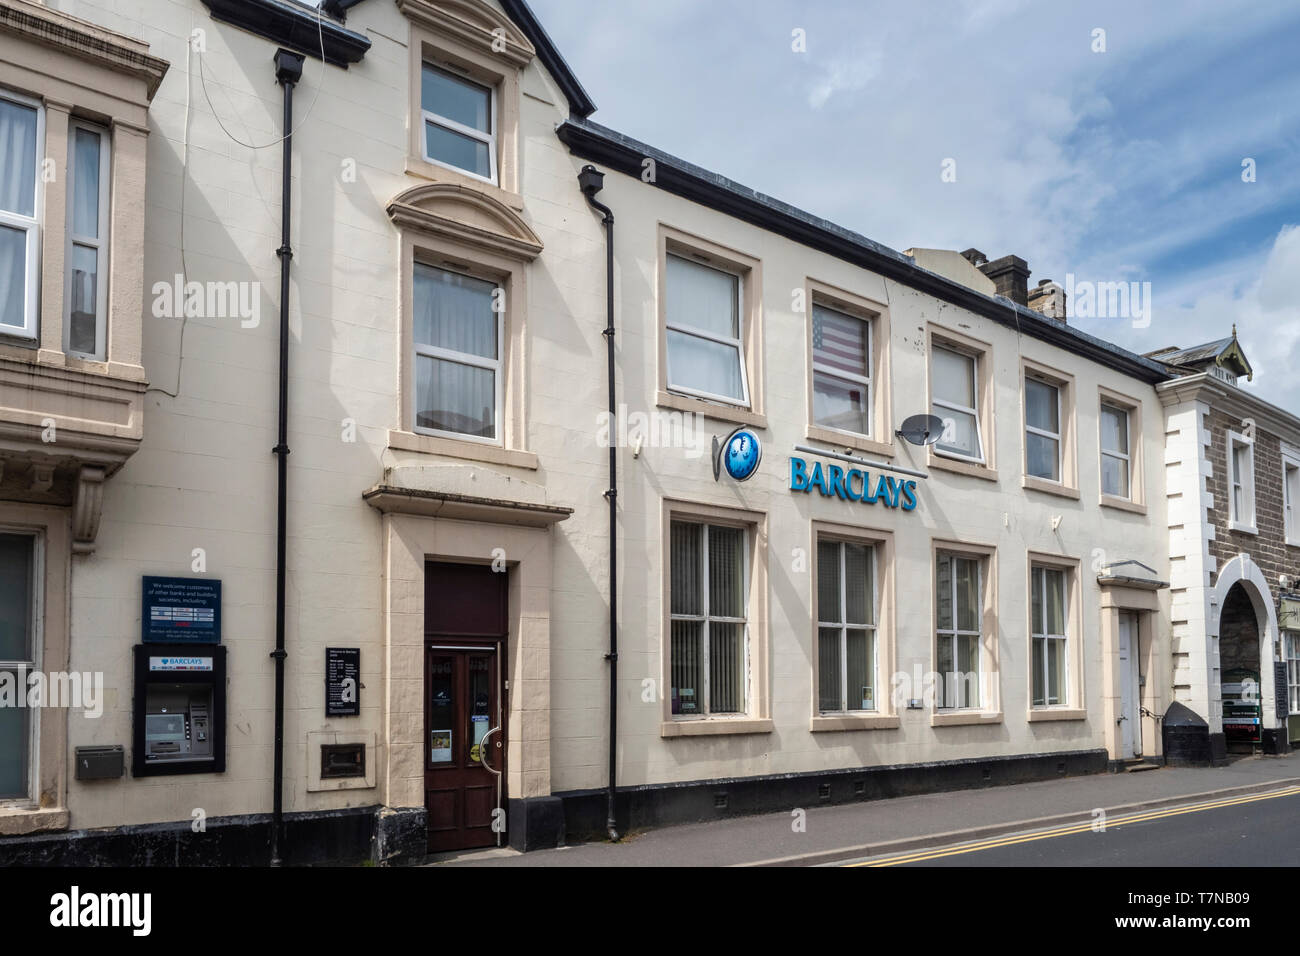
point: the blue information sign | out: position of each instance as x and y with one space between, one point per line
181 611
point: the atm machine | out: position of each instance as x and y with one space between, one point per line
180 709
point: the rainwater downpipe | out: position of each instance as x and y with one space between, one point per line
288 71
591 181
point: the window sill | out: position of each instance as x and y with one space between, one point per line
964 717
48 358
17 821
439 174
841 439
1049 487
841 722
968 468
1243 528
716 726
1122 504
470 451
1056 713
724 413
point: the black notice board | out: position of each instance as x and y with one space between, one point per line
1280 690
342 682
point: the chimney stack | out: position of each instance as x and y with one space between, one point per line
975 257
1010 274
1049 299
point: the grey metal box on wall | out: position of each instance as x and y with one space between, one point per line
101 763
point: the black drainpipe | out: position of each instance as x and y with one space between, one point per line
288 71
591 181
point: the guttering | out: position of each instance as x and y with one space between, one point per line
288 71
591 181
599 144
295 26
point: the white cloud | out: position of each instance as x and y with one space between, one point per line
1266 311
845 75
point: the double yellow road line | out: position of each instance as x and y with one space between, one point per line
917 856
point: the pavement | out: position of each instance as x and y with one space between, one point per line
872 828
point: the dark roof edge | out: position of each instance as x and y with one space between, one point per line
580 104
294 26
599 144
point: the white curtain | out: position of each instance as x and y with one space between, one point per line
453 312
17 159
699 297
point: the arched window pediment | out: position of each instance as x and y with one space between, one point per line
472 22
466 215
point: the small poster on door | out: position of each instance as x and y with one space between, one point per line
441 746
480 722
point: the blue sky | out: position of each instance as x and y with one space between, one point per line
1123 165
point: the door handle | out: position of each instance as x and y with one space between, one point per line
483 751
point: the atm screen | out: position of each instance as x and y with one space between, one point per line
164 728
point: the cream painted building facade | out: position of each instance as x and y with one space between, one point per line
446 507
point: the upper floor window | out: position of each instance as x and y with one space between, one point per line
87 289
705 337
841 371
460 125
953 387
1042 430
458 333
1115 460
1291 498
21 137
1241 483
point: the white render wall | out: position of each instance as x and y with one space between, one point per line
205 477
951 507
1194 620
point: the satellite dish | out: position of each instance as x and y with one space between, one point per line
922 429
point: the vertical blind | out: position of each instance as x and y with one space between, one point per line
708 655
846 613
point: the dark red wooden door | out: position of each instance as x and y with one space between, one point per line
465 746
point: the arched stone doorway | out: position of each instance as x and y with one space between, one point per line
1239 670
